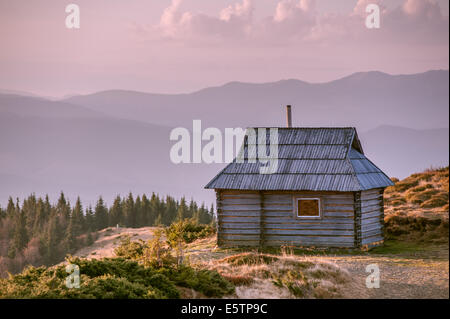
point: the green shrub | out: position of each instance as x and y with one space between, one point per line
187 231
107 278
130 249
208 282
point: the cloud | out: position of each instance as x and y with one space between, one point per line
296 22
233 21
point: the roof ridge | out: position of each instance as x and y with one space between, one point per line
306 127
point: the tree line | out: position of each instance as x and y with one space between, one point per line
38 232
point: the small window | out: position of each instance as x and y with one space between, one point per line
308 207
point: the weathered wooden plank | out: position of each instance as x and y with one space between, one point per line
291 219
239 196
339 209
371 192
240 201
373 239
371 220
367 228
240 237
278 207
341 201
369 209
277 243
313 232
370 215
241 231
241 225
338 214
238 213
308 226
278 214
284 199
311 239
241 207
371 233
368 203
371 196
238 219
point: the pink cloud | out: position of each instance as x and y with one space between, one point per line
295 22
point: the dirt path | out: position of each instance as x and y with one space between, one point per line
423 275
109 238
399 277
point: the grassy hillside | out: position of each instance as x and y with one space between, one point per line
416 208
183 261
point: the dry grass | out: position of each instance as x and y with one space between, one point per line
109 238
421 194
259 275
416 208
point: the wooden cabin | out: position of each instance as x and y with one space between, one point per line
325 193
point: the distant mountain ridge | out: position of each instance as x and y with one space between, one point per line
364 100
113 142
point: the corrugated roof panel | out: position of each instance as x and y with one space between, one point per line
319 159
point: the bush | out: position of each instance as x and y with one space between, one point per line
208 282
107 278
187 231
130 249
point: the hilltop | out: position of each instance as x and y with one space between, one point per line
417 208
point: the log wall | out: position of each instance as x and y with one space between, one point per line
372 217
268 219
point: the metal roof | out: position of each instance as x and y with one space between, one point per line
316 159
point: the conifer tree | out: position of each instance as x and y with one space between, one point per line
138 212
182 211
89 219
101 214
116 212
129 211
146 217
10 208
49 244
77 219
69 243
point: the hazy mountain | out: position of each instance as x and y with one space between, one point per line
110 143
38 106
364 100
402 151
91 157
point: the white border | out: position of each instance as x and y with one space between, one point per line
296 199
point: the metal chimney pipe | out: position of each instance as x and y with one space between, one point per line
288 116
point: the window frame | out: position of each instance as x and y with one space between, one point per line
296 199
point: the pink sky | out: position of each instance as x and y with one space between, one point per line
179 46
